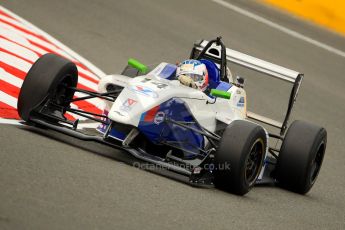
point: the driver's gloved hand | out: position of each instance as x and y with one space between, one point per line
187 81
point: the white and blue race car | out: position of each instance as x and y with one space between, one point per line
209 137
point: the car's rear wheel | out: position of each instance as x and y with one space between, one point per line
239 157
301 156
50 77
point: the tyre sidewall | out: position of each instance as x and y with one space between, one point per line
42 80
236 143
298 150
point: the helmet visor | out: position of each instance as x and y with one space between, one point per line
196 77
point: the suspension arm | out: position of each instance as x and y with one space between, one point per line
106 96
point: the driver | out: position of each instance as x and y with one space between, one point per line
193 73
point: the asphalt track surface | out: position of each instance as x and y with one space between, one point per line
50 181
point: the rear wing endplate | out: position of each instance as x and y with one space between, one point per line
214 53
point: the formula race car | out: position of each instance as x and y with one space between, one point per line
209 137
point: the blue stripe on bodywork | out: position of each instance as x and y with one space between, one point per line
113 133
177 110
168 72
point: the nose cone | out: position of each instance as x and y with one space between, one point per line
131 103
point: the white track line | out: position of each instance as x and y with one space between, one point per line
9 121
279 27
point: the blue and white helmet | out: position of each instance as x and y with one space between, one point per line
196 70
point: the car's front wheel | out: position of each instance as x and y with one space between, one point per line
239 157
51 76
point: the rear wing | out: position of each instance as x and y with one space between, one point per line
215 50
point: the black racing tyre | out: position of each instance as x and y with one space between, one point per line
44 80
301 156
242 148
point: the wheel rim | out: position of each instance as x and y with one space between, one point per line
254 161
62 94
316 163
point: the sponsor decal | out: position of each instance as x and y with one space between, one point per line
191 62
149 115
144 91
159 118
240 103
145 80
159 84
122 115
102 127
128 104
158 69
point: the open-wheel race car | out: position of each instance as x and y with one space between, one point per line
207 136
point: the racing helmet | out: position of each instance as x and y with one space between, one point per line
195 72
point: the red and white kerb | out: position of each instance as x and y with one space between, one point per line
21 44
